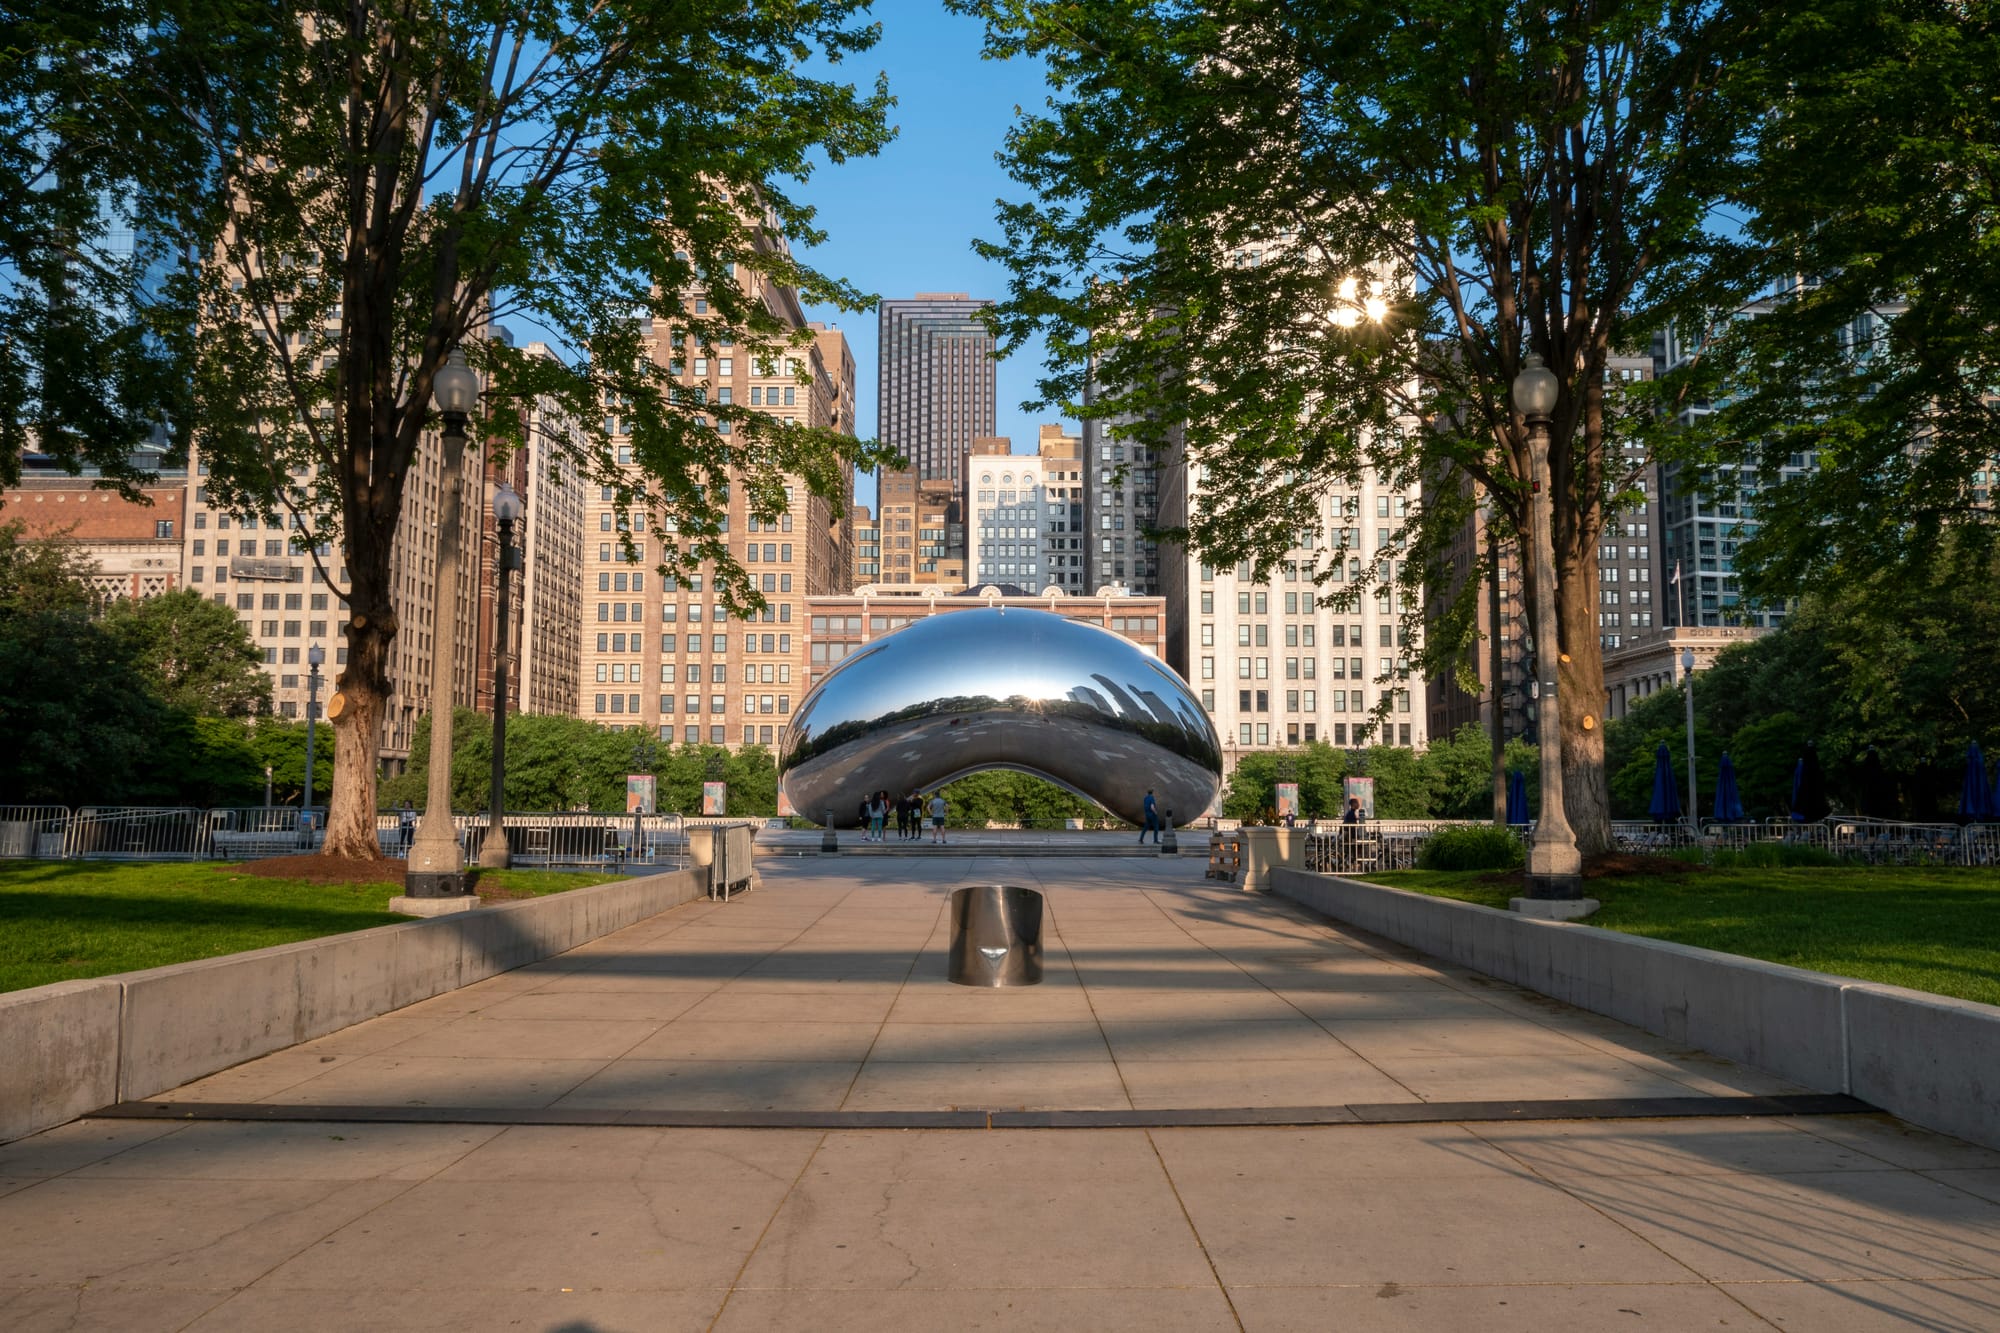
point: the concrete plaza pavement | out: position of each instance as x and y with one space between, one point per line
823 992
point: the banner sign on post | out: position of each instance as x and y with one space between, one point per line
641 791
1288 799
715 798
1364 790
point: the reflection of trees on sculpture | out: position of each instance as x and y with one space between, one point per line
1074 704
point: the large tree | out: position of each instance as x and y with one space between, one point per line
92 155
198 654
1306 243
615 173
1874 202
77 715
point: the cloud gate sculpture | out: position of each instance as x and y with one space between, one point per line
962 691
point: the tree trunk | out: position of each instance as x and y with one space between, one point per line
364 692
1586 792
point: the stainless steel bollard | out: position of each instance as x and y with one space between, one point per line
996 936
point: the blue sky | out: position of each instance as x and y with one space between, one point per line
903 222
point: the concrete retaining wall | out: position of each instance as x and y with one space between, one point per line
70 1048
58 1054
1931 1060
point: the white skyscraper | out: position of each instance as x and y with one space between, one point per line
1272 666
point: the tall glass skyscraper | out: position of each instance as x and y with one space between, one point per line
937 383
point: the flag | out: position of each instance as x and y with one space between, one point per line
1677 574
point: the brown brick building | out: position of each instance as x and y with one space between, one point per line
136 547
665 655
838 626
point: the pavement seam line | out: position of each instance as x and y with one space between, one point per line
1605 1049
1098 1019
1151 897
861 1067
1193 1230
321 1240
736 1279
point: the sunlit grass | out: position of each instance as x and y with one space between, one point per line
63 921
1931 930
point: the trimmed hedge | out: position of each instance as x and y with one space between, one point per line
1483 847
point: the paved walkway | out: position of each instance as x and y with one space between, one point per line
823 994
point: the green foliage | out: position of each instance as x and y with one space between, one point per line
1759 856
75 709
66 920
363 194
1891 660
281 743
566 763
1003 796
1452 779
1294 252
115 710
1485 847
198 653
1875 170
96 340
1927 929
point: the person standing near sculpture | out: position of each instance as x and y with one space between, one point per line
937 817
1152 818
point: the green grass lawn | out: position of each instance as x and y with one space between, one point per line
61 921
1931 930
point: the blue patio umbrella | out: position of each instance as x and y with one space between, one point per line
1728 805
1666 806
1975 798
1517 797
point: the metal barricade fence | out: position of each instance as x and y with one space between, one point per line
251 832
1892 842
609 839
32 830
1645 838
137 833
1982 844
576 839
1736 835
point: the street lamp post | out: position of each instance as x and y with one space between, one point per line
1555 868
1687 688
1488 512
643 754
437 866
315 656
494 853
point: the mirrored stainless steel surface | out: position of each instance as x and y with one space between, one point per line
996 936
962 691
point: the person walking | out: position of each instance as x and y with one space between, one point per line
937 818
406 825
1152 819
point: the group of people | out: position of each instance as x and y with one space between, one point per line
909 810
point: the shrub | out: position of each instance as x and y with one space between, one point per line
1479 847
1771 856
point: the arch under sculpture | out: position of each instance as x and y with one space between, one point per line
962 691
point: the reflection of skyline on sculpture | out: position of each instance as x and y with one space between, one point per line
993 688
